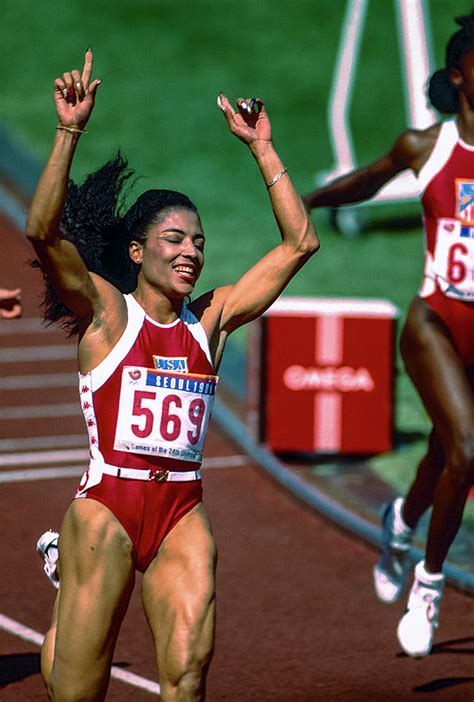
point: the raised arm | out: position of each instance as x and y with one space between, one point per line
74 97
263 283
409 151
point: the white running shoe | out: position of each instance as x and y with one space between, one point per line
417 626
391 572
48 548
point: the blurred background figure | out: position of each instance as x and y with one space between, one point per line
437 342
10 303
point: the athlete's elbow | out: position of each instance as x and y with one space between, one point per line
308 242
41 223
34 232
37 233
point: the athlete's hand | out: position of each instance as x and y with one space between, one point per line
249 122
10 305
74 95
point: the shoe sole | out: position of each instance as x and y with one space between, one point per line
412 653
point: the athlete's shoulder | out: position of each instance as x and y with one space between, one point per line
414 146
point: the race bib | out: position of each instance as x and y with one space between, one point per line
453 261
164 413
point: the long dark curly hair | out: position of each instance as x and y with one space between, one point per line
442 94
95 220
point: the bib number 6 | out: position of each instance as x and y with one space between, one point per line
457 269
172 415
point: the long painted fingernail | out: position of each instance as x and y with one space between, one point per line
220 104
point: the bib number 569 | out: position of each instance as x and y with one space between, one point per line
172 415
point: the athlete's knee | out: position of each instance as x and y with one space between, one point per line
63 692
460 463
66 689
185 675
61 695
191 685
432 464
188 682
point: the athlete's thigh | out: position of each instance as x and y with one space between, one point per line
179 595
437 371
97 577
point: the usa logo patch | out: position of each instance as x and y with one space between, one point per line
173 364
465 200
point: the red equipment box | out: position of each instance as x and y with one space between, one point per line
320 376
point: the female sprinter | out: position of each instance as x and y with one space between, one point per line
147 363
437 342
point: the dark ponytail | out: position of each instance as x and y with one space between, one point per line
94 222
441 93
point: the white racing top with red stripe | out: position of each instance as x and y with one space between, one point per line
149 401
447 194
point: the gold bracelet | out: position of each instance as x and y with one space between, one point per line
276 178
71 130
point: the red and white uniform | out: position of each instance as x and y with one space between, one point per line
447 194
148 403
147 407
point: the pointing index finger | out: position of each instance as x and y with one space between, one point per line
87 70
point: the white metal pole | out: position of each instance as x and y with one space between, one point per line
341 91
415 49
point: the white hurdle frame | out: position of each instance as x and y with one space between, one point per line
415 50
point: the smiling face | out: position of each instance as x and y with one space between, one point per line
172 256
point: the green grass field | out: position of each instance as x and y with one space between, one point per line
162 64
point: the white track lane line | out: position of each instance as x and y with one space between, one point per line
46 442
23 476
20 476
42 380
66 409
30 458
24 632
55 352
27 325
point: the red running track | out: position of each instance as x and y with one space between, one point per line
297 620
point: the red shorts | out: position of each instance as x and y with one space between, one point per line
458 316
147 510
